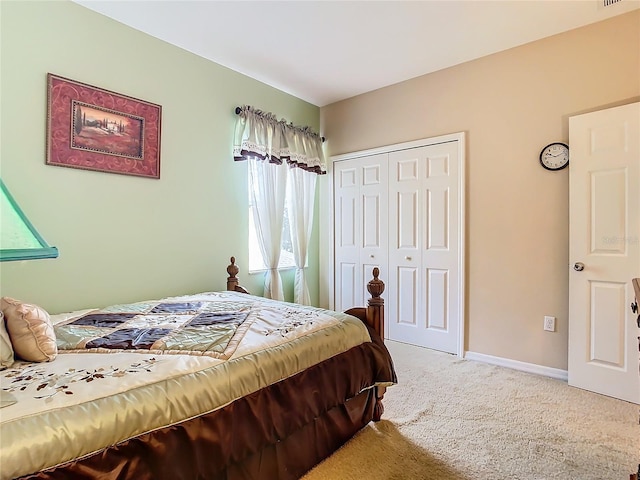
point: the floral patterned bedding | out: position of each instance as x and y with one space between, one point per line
130 369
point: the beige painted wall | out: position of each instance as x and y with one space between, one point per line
510 105
124 238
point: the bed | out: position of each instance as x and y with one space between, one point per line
217 385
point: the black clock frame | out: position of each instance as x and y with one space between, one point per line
554 169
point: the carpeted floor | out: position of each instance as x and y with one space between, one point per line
459 419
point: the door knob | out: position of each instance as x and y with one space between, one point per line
578 266
371 256
407 258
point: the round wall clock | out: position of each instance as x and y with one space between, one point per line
555 156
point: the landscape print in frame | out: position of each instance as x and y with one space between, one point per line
96 129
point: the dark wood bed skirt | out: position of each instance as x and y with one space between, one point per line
277 433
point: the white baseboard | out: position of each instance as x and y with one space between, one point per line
517 365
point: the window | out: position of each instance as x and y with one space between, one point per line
287 260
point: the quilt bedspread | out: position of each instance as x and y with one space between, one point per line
204 327
131 369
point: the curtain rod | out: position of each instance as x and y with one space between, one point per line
238 110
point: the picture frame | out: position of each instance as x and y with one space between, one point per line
92 128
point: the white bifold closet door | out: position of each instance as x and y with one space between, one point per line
360 226
402 211
424 284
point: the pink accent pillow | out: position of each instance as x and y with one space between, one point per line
30 329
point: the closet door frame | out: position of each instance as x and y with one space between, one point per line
327 262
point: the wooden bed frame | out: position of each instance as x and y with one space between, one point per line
371 315
278 432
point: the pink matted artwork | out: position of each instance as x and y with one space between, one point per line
96 129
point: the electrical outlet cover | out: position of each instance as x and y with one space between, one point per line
550 324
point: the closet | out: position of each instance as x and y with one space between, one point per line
401 208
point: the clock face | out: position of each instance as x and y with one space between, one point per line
555 156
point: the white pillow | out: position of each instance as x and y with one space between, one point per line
6 350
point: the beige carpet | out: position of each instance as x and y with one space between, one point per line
459 419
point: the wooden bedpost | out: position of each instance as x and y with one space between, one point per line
375 318
373 315
232 280
375 306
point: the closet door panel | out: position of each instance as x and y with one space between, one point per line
437 290
346 295
374 202
360 226
424 198
437 220
406 217
440 251
404 304
371 234
405 292
374 192
347 217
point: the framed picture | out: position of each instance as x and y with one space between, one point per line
96 129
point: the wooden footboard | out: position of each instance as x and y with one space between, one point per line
372 315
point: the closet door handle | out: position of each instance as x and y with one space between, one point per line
407 258
371 255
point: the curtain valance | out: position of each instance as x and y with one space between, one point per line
260 135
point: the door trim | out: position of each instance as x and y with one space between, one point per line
327 261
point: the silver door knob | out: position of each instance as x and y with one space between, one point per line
578 266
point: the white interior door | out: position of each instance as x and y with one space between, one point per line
360 226
425 281
604 181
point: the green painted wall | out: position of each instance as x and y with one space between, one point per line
124 238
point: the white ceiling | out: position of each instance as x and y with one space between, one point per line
326 51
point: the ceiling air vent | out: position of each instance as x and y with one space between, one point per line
608 3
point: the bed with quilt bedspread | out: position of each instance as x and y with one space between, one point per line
214 385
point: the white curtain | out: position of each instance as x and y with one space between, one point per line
301 147
300 203
267 182
274 148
